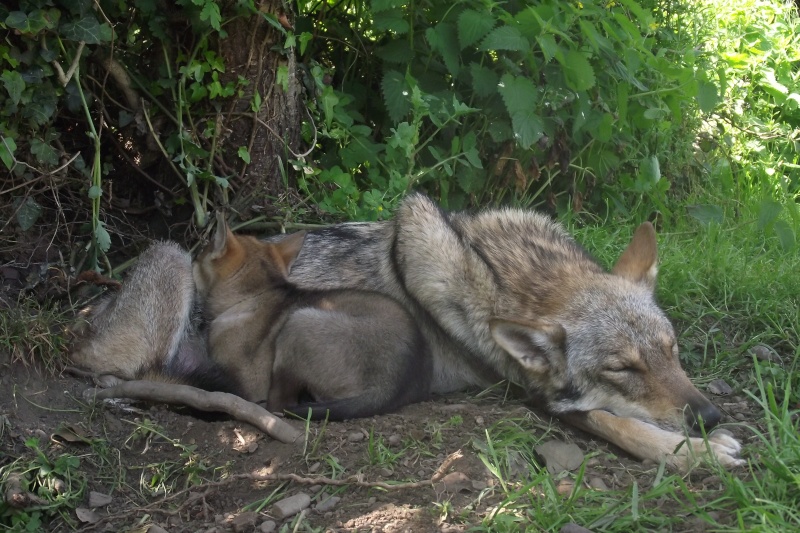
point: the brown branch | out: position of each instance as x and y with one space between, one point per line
223 402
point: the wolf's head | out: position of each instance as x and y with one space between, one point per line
607 345
232 268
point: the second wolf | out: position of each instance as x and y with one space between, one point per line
508 294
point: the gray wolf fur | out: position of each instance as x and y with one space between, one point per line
153 328
508 294
342 353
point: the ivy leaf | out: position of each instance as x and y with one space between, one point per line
28 212
14 85
86 29
44 152
211 14
443 39
473 26
244 154
395 91
505 38
7 148
577 71
484 80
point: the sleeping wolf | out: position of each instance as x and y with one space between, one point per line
508 294
347 353
153 328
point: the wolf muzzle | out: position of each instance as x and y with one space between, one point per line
704 410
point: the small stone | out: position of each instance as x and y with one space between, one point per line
313 468
719 387
421 474
385 472
355 436
565 487
87 516
268 526
712 480
372 500
155 528
245 521
479 420
456 482
479 485
395 440
98 499
560 456
314 488
765 353
573 528
740 416
597 483
327 504
252 447
291 506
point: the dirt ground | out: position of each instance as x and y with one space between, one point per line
155 466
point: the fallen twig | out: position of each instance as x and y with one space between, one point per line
202 400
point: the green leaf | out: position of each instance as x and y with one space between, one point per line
473 26
329 101
707 97
505 38
86 29
443 39
528 127
723 173
7 148
518 92
396 51
94 192
244 154
28 212
549 46
14 84
211 14
102 237
650 170
768 213
383 5
395 89
44 152
304 38
577 71
391 20
484 80
706 214
786 235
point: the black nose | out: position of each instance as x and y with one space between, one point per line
706 412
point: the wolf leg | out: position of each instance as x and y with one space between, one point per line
647 441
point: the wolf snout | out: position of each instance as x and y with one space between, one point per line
705 410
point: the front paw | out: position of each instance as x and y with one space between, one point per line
721 444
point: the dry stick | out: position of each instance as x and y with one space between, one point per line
224 402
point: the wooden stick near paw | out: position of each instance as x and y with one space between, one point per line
221 402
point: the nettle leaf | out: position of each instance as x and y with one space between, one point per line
577 71
473 26
549 46
396 51
395 95
484 80
87 29
14 85
528 127
768 213
443 39
706 214
518 92
707 96
505 38
786 235
391 20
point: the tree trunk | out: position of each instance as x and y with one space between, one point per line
273 133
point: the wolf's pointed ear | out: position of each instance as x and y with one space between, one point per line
639 261
538 347
222 237
287 250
